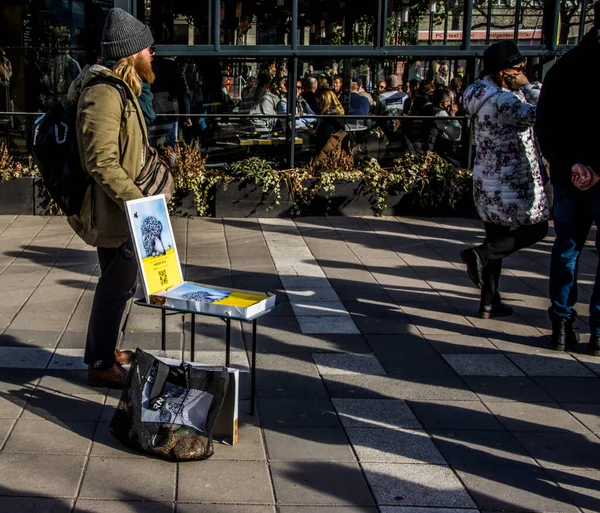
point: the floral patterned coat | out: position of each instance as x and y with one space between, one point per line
507 181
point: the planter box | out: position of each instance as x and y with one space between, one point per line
348 199
17 196
184 205
245 199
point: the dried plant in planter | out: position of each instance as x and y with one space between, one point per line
190 176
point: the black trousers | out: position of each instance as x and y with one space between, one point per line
116 286
500 242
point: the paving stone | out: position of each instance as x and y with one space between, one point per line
400 509
393 445
492 388
129 479
11 405
327 324
344 364
276 413
299 444
250 446
591 362
68 382
371 413
571 390
385 387
223 508
516 489
316 509
50 475
62 408
562 450
5 427
300 295
550 365
384 325
235 482
92 506
28 338
535 417
107 446
436 320
455 415
24 357
72 339
466 450
319 308
289 376
35 505
482 365
587 414
416 485
582 487
67 359
458 344
408 355
44 437
320 484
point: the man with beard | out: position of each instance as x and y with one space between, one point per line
112 139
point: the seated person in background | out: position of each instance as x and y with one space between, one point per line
309 93
302 109
331 107
359 104
249 88
362 92
392 100
264 102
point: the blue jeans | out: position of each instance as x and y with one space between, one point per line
574 212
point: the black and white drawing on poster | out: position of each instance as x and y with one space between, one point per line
182 406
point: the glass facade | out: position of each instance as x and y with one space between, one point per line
221 47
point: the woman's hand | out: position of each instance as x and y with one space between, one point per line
583 177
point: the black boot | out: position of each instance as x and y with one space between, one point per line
563 334
474 266
594 346
491 305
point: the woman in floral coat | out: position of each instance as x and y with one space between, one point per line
507 179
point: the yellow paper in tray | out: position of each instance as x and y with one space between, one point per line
162 271
240 299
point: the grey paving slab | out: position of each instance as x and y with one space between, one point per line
223 508
400 509
49 475
251 478
11 404
408 355
571 390
385 387
300 295
482 365
562 450
328 324
438 320
465 450
591 362
95 506
320 484
35 505
558 364
5 427
516 489
308 444
587 414
582 486
373 413
45 437
63 407
28 339
292 375
393 445
457 344
105 445
416 485
24 357
457 415
129 479
491 388
250 446
535 417
67 359
343 364
384 325
316 509
297 413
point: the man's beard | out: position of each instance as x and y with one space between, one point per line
144 70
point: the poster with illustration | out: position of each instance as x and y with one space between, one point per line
154 244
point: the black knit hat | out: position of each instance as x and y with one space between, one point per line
501 56
124 35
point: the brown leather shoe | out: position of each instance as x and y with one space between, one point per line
124 357
113 377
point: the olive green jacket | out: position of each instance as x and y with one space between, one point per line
112 147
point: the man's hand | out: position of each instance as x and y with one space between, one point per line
583 177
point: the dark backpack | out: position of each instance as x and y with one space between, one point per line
56 153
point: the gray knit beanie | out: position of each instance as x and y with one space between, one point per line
124 35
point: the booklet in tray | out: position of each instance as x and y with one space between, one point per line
160 268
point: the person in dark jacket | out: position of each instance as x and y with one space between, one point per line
568 138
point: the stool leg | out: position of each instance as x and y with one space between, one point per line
253 369
163 334
228 343
193 339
